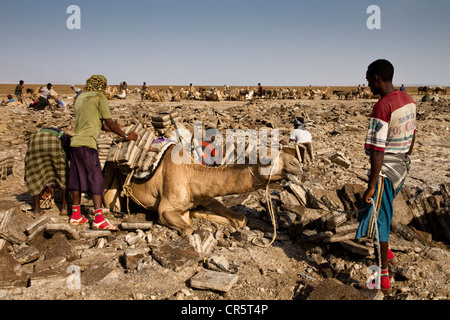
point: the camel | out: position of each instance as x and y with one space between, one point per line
122 95
314 93
422 90
176 188
366 94
110 92
442 90
212 95
36 93
155 96
176 97
245 94
339 93
324 93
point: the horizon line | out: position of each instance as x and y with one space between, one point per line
222 85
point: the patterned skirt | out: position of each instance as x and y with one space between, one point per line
45 163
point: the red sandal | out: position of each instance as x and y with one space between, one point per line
104 225
82 220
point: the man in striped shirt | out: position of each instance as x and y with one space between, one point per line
389 142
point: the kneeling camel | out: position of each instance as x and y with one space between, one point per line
175 187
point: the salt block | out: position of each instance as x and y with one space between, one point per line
176 255
136 225
213 280
64 228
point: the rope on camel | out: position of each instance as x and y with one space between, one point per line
269 207
128 192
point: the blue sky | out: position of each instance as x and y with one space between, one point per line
234 42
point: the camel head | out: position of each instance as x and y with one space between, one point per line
282 165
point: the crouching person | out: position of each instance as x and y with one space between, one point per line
46 166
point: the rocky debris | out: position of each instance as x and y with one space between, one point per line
12 274
314 255
132 257
340 160
331 289
220 263
13 223
431 210
6 165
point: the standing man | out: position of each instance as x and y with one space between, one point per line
19 91
85 174
143 91
260 90
191 90
389 142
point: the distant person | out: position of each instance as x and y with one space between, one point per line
143 91
46 165
303 139
435 98
122 91
11 102
191 90
300 134
45 94
61 103
123 87
92 112
389 142
77 91
426 98
260 90
402 88
18 92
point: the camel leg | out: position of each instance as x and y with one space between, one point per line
201 213
238 220
111 195
111 200
173 219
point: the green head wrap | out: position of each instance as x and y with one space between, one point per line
96 83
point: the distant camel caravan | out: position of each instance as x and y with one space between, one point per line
431 90
175 189
243 94
248 94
